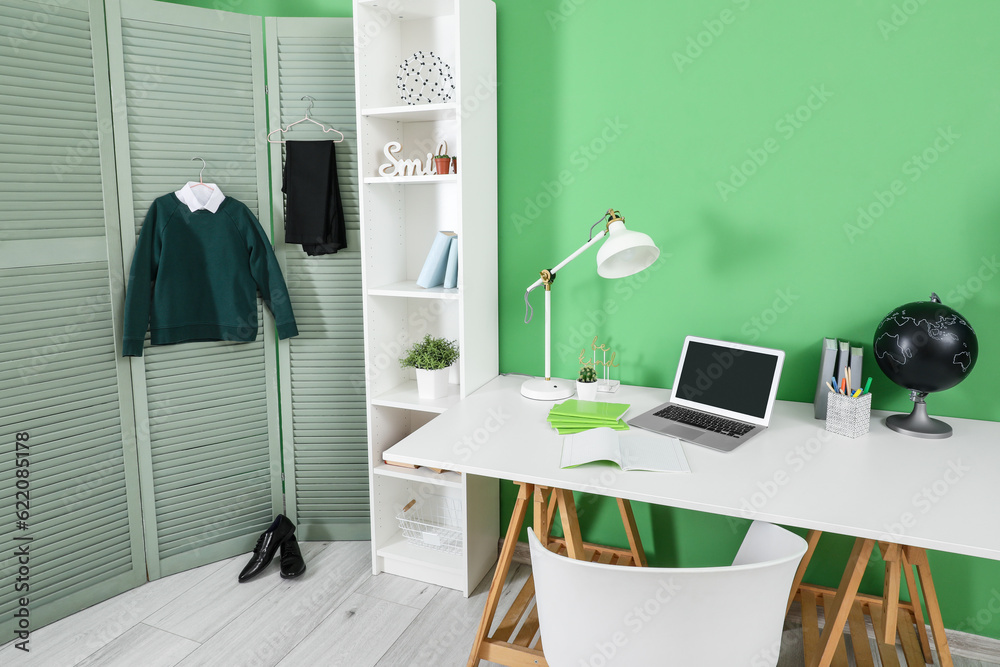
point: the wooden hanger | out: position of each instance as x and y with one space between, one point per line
302 120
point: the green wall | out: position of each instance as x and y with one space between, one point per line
648 107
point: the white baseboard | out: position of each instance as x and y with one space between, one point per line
967 645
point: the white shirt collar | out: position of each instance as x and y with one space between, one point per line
195 197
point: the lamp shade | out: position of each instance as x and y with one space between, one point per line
625 252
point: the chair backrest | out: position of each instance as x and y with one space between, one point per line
592 614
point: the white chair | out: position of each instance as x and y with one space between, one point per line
596 615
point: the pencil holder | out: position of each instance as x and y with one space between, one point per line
848 416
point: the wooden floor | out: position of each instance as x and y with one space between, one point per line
335 614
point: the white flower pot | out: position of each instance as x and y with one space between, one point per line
586 391
432 384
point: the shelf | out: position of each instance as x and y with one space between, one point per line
409 289
413 9
405 396
414 112
397 548
403 180
421 475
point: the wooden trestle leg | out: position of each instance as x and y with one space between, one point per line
504 646
889 615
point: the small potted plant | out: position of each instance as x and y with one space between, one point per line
431 358
442 161
586 383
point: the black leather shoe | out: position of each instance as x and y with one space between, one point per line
267 544
292 564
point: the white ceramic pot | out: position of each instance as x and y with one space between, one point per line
432 384
586 391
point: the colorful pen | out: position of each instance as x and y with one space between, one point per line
831 387
856 394
868 385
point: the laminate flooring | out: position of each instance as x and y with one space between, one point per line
337 613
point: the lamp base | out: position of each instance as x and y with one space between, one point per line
540 389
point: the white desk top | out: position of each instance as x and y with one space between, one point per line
936 494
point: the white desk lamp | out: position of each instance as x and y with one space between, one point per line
626 252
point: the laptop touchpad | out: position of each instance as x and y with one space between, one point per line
686 433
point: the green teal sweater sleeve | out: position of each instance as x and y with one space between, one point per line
267 274
139 291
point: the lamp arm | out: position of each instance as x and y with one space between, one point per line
550 275
579 251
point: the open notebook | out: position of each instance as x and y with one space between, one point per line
631 450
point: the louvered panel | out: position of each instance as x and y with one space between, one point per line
102 501
64 434
93 544
181 504
211 423
168 70
79 515
174 498
73 347
88 276
192 84
324 408
323 67
62 565
47 373
47 90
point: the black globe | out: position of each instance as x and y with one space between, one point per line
925 346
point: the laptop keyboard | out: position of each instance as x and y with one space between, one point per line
703 420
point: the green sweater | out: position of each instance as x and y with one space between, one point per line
195 276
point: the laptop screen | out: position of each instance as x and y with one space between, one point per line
736 379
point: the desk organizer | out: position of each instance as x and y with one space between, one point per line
848 416
434 522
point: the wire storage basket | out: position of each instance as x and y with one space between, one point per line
433 522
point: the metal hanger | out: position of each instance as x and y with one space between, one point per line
201 180
302 120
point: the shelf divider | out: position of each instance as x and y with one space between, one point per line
398 548
421 475
409 289
405 396
407 180
414 112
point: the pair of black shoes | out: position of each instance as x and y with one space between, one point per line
280 534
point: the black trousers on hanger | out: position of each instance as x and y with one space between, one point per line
314 214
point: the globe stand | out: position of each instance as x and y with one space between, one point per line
918 424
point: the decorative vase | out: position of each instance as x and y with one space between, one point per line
432 384
454 165
443 165
586 391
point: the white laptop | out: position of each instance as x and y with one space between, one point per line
722 396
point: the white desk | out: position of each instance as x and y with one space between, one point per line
883 486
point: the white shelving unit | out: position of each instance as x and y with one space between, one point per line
399 218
